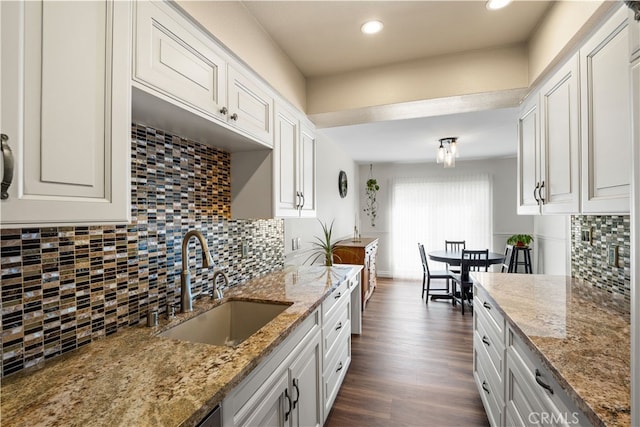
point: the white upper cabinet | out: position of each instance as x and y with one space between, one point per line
250 106
606 118
559 141
180 64
548 146
66 112
529 157
294 165
175 58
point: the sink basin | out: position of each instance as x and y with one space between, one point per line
228 324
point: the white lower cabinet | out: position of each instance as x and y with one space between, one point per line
515 386
285 389
66 112
297 384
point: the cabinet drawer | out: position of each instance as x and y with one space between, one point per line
492 349
490 394
334 373
335 325
339 294
173 57
489 309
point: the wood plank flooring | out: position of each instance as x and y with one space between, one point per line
412 365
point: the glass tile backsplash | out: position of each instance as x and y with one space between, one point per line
590 258
62 287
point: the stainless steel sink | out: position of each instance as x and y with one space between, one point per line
228 324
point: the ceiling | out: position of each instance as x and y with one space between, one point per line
323 38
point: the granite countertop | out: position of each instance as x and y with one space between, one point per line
135 378
581 333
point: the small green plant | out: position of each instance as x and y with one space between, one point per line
323 248
520 240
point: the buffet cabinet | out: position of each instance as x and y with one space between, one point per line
362 252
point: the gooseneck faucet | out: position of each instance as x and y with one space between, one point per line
186 298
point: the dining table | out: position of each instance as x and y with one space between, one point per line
454 258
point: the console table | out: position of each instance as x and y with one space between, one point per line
362 252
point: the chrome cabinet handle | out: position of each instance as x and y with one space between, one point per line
534 192
339 367
338 295
297 200
7 177
486 340
540 193
302 195
484 387
224 111
542 383
486 305
339 326
234 117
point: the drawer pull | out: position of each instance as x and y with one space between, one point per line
486 305
338 295
486 340
484 387
339 326
339 367
541 383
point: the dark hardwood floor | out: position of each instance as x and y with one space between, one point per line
412 365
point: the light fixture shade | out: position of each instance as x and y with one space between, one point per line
441 154
454 147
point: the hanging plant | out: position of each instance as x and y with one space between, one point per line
371 190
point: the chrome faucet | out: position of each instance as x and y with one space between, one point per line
186 298
216 292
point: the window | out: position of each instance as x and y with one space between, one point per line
432 210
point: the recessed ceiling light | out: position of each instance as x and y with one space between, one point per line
371 27
497 4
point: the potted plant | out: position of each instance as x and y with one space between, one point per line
371 190
323 248
520 240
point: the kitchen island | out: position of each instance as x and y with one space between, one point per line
577 333
135 378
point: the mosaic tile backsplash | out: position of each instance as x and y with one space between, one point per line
63 287
589 260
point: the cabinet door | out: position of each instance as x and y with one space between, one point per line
174 58
559 108
285 165
307 173
528 158
606 125
306 386
250 107
634 37
66 109
273 406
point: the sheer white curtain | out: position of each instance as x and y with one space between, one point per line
432 210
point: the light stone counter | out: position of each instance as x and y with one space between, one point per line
581 333
134 378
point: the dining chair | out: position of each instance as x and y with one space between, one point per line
454 246
427 275
470 260
508 264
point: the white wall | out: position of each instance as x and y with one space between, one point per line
330 160
505 220
552 244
